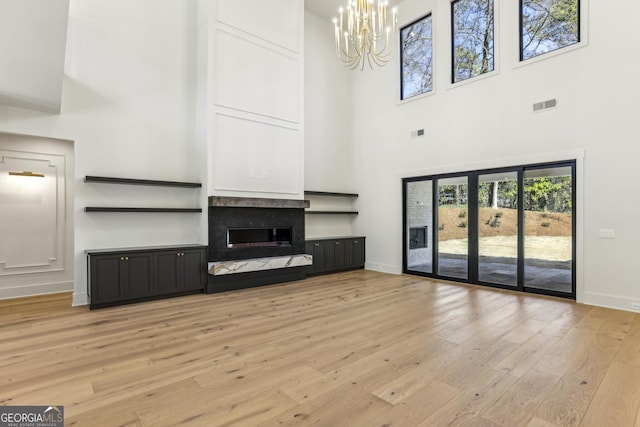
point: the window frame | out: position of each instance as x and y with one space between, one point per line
580 42
429 15
494 55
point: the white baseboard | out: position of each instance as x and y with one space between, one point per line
383 268
80 298
34 290
609 301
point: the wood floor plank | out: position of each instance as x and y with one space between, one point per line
464 408
359 348
348 404
403 386
419 405
568 402
485 351
617 400
516 406
561 356
537 422
526 355
630 349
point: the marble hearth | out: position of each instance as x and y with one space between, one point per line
258 264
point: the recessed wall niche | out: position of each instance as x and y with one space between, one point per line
36 213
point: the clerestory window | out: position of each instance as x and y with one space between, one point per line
472 34
416 55
548 25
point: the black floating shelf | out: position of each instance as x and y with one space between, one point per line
332 212
107 209
130 181
326 193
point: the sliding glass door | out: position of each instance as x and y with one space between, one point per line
548 239
512 227
498 228
419 226
453 227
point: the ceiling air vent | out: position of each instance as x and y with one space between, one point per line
545 105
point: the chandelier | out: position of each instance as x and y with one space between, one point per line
362 33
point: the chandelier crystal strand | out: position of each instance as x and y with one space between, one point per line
363 34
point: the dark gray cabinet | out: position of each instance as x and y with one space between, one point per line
335 254
120 276
180 270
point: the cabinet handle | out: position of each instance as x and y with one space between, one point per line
355 241
126 258
121 258
337 243
316 244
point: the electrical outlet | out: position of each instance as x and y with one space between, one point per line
635 305
606 233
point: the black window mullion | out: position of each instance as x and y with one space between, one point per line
436 230
472 226
453 42
405 259
521 219
573 231
521 22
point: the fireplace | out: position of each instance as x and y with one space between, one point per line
253 242
237 233
418 237
260 237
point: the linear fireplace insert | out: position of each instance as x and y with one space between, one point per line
258 237
237 233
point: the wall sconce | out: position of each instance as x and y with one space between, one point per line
27 173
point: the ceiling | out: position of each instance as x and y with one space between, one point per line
33 38
328 9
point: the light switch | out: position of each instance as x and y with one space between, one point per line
607 233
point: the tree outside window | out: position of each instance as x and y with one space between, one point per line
416 58
472 38
548 25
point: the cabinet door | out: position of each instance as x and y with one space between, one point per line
192 263
339 256
138 275
106 283
319 257
348 252
167 272
329 255
358 252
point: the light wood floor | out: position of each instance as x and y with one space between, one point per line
352 349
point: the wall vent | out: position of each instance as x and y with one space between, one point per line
545 105
417 133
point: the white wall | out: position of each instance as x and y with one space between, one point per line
327 112
33 74
255 86
129 106
328 160
489 122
